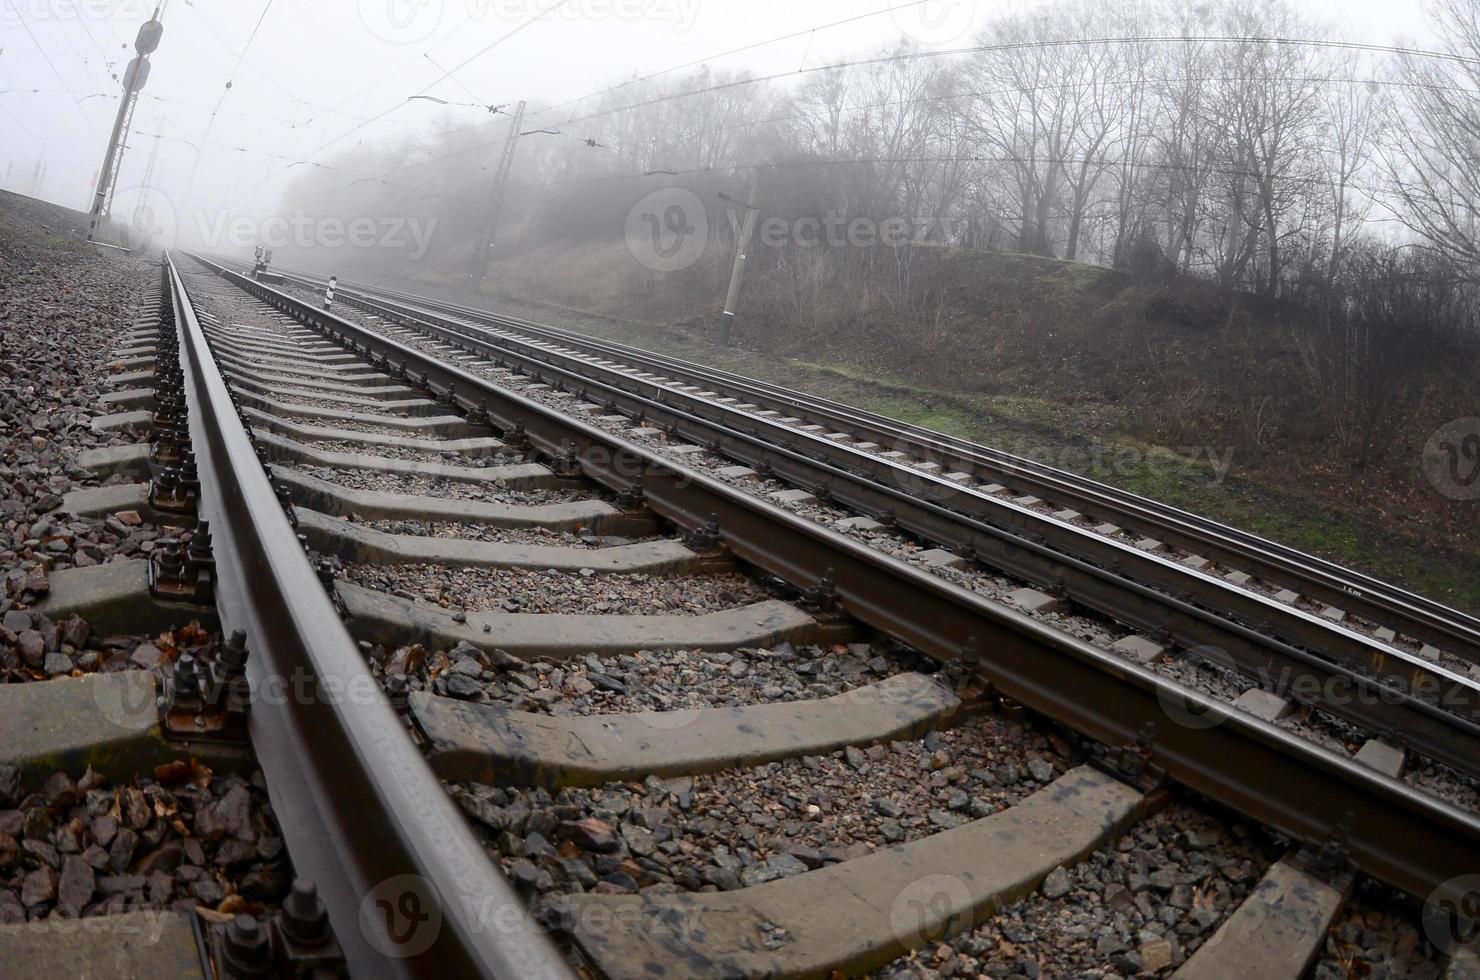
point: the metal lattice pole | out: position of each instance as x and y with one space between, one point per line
133 80
484 246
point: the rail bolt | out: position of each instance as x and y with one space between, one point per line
185 694
245 949
234 655
305 920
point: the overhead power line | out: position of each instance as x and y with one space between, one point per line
1026 45
230 78
807 31
912 55
953 96
973 49
20 14
425 89
549 10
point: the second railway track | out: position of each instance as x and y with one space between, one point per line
588 641
1374 674
1415 623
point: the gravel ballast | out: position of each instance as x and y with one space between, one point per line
496 491
549 591
744 827
649 680
179 839
64 308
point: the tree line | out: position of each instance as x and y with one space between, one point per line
1232 142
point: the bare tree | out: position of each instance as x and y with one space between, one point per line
1431 156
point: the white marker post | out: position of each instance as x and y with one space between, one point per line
329 292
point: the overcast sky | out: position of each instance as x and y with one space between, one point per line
316 70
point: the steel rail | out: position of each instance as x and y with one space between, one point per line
1399 834
1221 622
361 812
1253 608
1361 595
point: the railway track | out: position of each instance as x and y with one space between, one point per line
1067 546
489 598
1411 620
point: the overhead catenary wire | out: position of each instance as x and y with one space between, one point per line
20 15
808 32
905 56
235 68
589 140
980 48
1025 45
952 96
458 67
266 76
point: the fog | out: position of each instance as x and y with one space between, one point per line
328 84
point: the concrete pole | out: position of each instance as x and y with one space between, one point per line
737 274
